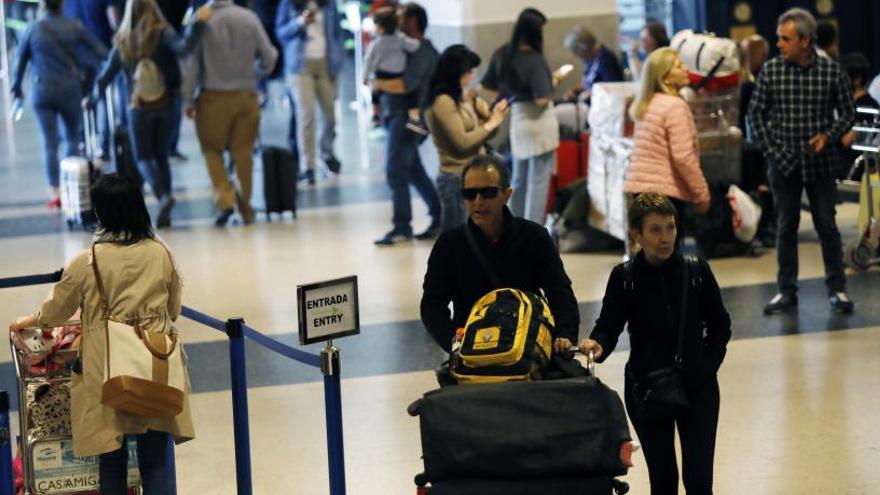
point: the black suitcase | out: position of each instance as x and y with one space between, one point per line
713 231
279 180
596 485
571 428
121 150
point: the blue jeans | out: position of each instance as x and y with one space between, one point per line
823 197
152 451
452 205
52 103
531 186
151 131
403 167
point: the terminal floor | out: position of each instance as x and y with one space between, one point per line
799 410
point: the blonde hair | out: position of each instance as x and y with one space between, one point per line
658 64
140 30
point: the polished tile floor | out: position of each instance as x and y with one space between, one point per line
799 393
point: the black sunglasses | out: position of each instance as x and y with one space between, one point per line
470 193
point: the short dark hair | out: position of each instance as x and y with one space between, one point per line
415 10
647 203
53 6
386 18
122 213
826 34
857 67
485 162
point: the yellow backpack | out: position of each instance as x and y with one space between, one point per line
507 337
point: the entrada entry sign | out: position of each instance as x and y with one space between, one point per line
328 310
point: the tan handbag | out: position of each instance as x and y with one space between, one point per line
144 371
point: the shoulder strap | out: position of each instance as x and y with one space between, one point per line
629 279
100 283
690 276
481 257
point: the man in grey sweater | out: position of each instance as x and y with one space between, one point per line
220 91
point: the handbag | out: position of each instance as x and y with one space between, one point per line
662 390
143 371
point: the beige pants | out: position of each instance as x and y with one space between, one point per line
314 85
229 119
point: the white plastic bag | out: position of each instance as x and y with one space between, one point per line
746 214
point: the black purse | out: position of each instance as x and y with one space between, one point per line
662 390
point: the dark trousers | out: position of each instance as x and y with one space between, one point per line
53 103
822 194
697 426
150 132
403 167
152 451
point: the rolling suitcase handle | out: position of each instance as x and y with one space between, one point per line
90 131
591 361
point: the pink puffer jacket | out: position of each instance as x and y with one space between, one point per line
666 157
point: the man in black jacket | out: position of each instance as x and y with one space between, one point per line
520 254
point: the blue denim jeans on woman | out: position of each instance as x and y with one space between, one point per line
531 186
822 194
151 131
152 451
51 103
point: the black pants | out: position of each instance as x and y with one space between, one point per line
697 427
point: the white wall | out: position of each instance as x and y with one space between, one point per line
472 12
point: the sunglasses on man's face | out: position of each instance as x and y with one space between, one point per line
470 193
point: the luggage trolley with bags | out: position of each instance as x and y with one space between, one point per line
44 360
511 428
863 252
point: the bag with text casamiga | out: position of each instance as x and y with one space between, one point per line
507 337
144 370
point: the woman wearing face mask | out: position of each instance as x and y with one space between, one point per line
460 124
666 156
676 318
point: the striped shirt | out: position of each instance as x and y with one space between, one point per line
791 104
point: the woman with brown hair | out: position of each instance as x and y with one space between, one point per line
146 48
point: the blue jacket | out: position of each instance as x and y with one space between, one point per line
61 50
292 37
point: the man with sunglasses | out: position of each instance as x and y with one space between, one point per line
517 253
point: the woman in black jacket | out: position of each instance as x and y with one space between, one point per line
647 293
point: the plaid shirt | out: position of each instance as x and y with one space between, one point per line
791 104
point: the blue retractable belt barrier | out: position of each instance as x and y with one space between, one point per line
46 278
283 349
208 321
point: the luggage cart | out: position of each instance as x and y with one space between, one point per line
46 445
864 251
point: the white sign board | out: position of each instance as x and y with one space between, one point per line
328 310
56 470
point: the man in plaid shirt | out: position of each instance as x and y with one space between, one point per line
801 105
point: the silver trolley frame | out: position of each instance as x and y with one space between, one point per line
61 472
864 251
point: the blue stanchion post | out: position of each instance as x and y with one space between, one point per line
333 412
235 332
7 479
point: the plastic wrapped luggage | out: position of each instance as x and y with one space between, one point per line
705 54
75 183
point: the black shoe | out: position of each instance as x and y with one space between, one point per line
392 238
176 155
308 176
163 219
430 233
781 303
841 303
333 164
223 218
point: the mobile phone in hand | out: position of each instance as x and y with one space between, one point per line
564 70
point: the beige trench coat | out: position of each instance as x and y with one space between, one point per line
140 280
